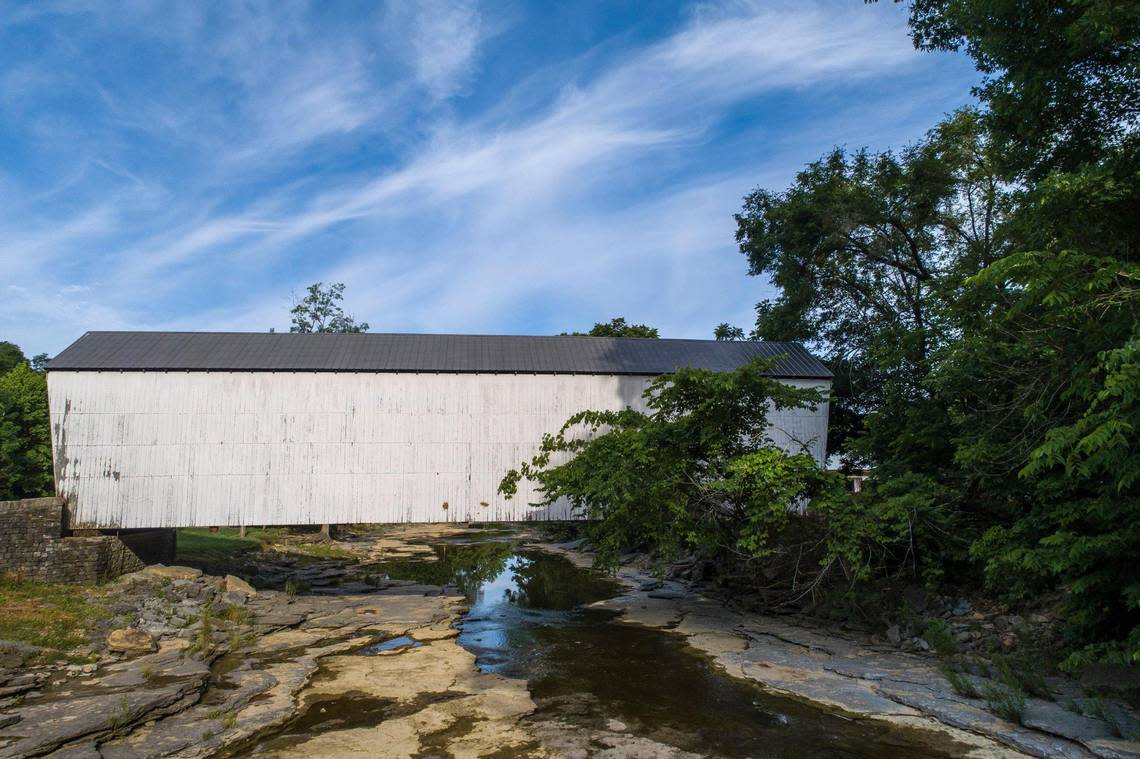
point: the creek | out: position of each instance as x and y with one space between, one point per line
529 619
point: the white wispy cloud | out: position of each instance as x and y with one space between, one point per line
655 98
440 39
596 203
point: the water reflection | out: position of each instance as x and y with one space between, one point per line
527 620
466 565
388 646
509 612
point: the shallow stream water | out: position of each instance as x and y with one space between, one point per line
527 620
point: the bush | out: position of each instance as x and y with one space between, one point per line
961 683
696 472
1006 701
941 638
1025 670
25 440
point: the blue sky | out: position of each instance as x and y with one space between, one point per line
508 167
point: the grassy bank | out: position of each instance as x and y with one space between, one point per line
52 616
222 551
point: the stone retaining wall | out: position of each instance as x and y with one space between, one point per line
33 546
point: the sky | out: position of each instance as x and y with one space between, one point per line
463 167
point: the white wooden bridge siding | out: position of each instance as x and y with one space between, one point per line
180 449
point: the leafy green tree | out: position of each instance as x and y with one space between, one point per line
867 251
1044 373
320 311
695 472
1046 379
1062 84
25 442
725 331
618 327
10 356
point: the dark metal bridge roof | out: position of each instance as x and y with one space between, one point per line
269 352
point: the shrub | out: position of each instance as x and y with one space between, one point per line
1024 669
1006 701
961 683
941 638
695 472
238 615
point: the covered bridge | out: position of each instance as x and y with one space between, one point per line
178 429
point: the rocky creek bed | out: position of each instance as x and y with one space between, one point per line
440 641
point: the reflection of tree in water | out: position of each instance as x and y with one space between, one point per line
541 580
473 564
466 565
544 581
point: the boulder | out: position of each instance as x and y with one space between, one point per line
173 573
131 641
234 584
235 598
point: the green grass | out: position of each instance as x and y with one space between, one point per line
203 639
293 588
223 551
239 640
319 550
199 547
120 717
1026 670
1098 708
237 615
1007 701
228 718
53 616
561 532
961 684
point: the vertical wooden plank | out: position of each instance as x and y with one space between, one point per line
165 449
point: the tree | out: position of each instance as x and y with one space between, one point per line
618 327
25 442
868 250
1062 84
696 471
10 356
320 311
1066 355
1044 370
725 331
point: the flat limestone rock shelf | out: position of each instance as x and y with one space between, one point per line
473 643
532 674
850 677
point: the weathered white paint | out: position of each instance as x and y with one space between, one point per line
177 449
